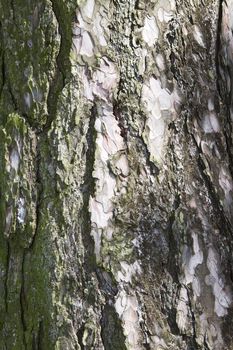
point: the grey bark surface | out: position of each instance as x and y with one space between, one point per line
116 165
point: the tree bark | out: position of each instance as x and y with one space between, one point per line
116 165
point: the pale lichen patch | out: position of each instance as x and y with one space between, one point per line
108 143
160 104
190 263
225 180
14 159
182 309
211 331
210 123
37 94
21 213
128 271
8 221
83 43
90 31
100 28
150 31
105 79
127 308
87 88
88 8
198 36
210 104
28 100
160 62
126 303
221 292
164 16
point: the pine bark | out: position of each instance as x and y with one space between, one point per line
116 167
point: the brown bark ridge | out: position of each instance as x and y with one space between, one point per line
116 166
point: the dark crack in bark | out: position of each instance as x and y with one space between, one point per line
2 57
22 302
62 62
218 47
6 277
193 320
80 337
216 204
88 190
222 64
111 329
39 185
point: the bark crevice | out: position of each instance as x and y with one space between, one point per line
88 190
217 207
8 253
62 69
22 302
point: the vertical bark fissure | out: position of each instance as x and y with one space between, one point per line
22 302
193 320
216 204
206 347
6 277
3 69
13 10
117 114
80 337
59 81
132 24
88 190
218 46
29 249
145 331
172 265
3 74
13 99
40 336
224 95
151 165
111 329
229 141
39 185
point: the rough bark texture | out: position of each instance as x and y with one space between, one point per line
116 165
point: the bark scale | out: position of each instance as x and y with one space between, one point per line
116 174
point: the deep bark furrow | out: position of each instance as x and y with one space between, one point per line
3 74
59 80
13 10
39 195
40 336
218 48
6 276
222 65
229 141
218 209
3 69
22 302
192 319
88 190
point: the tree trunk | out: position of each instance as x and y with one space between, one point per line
116 165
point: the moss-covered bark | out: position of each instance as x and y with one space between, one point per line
116 174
